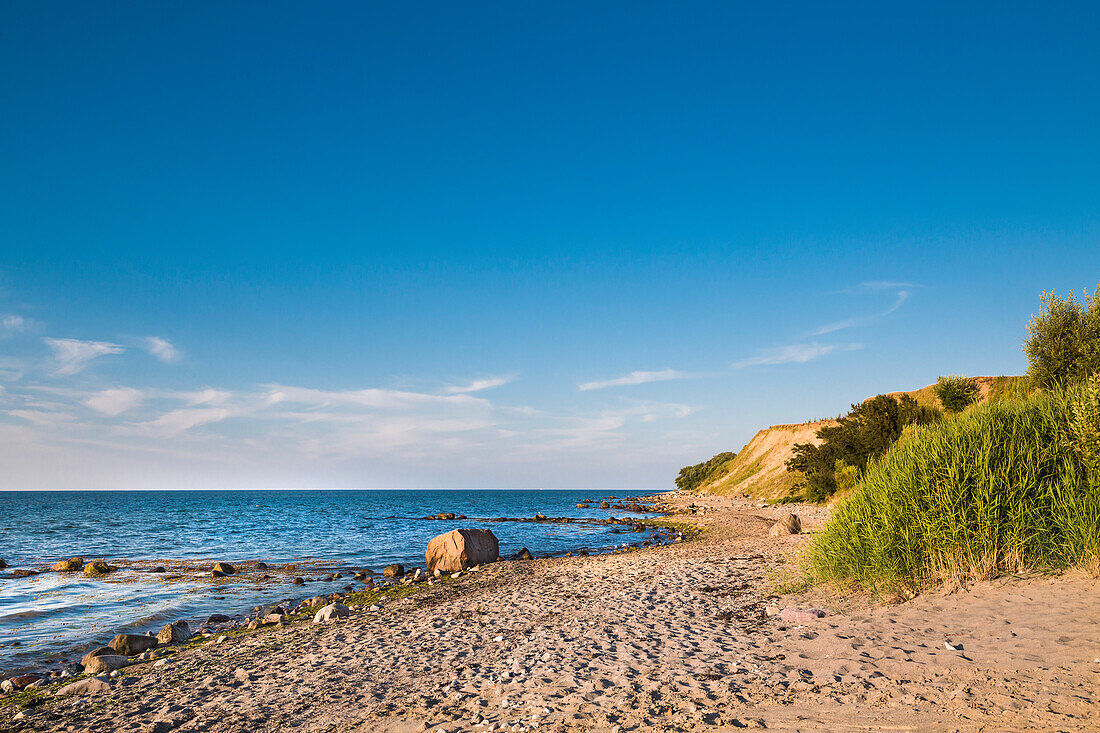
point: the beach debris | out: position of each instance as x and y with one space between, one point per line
396 570
175 633
68 566
789 524
133 644
801 615
331 612
460 549
105 663
84 688
97 567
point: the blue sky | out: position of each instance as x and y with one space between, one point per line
493 245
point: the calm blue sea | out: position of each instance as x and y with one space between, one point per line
51 616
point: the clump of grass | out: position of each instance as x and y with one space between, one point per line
1001 488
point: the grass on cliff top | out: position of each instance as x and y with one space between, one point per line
1003 487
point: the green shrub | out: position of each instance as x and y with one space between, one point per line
956 393
846 476
692 477
1063 343
1003 487
867 431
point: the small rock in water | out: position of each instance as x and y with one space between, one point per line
393 571
524 554
262 565
217 618
2 564
133 644
445 515
175 633
96 568
68 566
299 581
225 568
158 569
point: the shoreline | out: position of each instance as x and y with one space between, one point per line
284 576
677 637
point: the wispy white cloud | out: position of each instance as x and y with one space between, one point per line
663 375
73 355
875 286
478 385
112 402
178 421
12 323
792 354
161 348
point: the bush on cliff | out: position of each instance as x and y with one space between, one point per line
956 393
867 431
1063 343
692 477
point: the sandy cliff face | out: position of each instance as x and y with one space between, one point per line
760 467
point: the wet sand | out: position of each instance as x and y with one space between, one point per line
666 638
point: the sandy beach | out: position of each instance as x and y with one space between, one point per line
668 638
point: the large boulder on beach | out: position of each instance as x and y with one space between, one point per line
331 612
789 524
105 663
68 566
460 549
174 633
133 644
96 568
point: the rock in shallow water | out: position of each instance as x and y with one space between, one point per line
133 644
68 566
96 568
174 633
393 571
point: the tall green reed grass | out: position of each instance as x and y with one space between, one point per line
1009 485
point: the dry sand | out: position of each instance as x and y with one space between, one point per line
670 638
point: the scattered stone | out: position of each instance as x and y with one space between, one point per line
604 505
524 554
96 653
462 548
24 681
96 568
217 618
225 569
105 663
445 515
2 564
332 611
582 506
131 645
375 607
175 633
68 566
161 662
299 581
84 688
158 569
23 573
953 647
801 615
540 517
789 524
395 571
361 575
262 565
